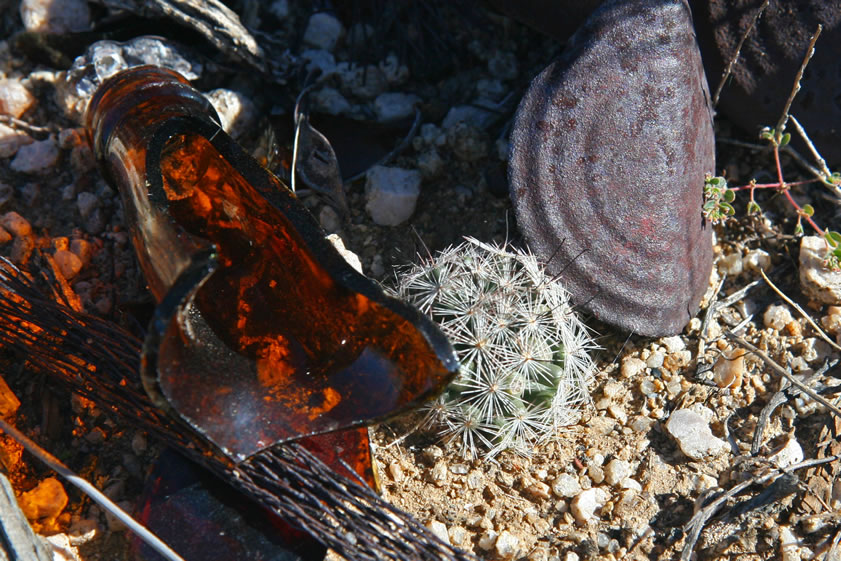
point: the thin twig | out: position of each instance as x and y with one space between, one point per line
823 170
40 133
91 491
785 373
735 57
802 312
696 523
781 124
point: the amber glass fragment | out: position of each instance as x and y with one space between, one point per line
263 333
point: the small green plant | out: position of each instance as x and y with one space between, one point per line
524 354
718 197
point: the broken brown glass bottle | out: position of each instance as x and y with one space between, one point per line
263 333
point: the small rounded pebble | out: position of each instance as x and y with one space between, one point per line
394 106
566 486
45 502
631 367
55 16
330 101
323 31
757 260
729 369
816 281
11 141
730 264
68 263
36 157
487 540
693 435
615 471
16 224
789 454
655 360
507 544
440 530
468 143
15 99
236 111
391 194
777 316
86 203
586 503
537 490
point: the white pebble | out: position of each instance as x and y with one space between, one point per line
655 360
394 106
487 540
323 31
236 111
586 503
693 435
320 59
730 264
789 454
566 486
816 281
507 544
349 256
777 316
632 366
757 260
616 470
673 344
789 545
440 530
11 140
15 99
35 157
55 16
86 203
430 163
330 101
391 194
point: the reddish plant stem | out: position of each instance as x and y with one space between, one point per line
786 191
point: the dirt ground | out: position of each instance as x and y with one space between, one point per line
615 485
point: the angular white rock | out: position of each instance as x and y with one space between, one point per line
323 31
11 140
816 281
15 99
777 316
40 155
440 530
507 544
391 194
789 454
586 503
237 112
693 435
616 470
393 106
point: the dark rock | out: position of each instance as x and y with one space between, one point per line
764 73
556 18
609 150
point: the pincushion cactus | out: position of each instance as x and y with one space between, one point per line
524 354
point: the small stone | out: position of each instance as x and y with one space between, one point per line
440 530
475 479
236 111
432 454
673 344
45 502
586 503
55 16
789 545
391 194
468 143
655 360
68 263
458 535
330 101
615 471
632 366
816 281
279 9
777 316
329 219
364 82
789 454
82 248
323 31
596 473
729 369
394 106
630 484
487 540
469 115
537 490
757 260
5 237
459 469
507 544
9 402
395 471
430 164
15 99
731 264
571 556
693 435
36 157
438 474
832 321
86 203
16 224
349 256
11 141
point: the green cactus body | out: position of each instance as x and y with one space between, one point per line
525 361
